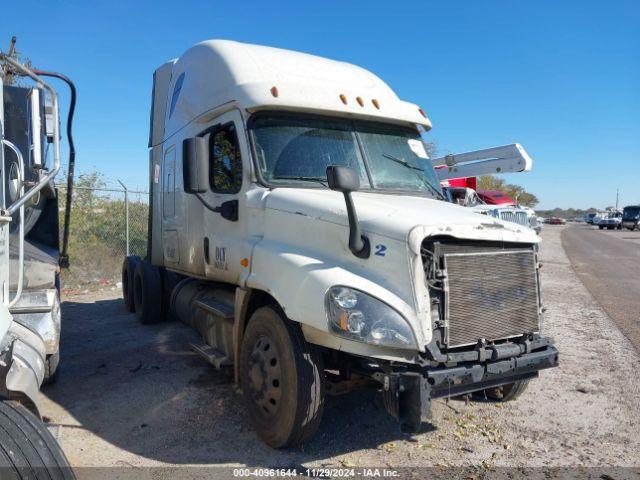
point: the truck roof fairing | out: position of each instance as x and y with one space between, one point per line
218 72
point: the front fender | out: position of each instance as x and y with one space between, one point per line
299 280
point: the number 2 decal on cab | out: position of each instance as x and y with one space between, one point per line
381 250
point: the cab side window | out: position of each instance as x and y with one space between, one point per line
226 164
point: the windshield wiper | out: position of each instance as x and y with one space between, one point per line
321 181
406 164
402 162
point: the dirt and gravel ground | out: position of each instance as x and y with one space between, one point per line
133 395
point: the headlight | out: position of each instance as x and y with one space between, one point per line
357 316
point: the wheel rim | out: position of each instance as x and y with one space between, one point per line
265 376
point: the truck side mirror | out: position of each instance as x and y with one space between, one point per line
345 180
342 179
195 165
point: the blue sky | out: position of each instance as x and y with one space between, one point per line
561 78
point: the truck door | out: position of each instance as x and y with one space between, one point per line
170 236
224 233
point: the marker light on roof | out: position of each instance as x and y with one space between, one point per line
343 97
360 101
375 103
422 113
274 91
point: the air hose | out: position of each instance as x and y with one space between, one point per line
64 256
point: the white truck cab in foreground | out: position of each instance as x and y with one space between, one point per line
297 223
30 262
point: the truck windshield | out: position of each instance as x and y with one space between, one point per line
295 150
631 212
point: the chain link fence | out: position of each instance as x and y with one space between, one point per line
106 225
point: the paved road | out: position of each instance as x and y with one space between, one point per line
608 263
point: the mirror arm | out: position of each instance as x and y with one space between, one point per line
227 210
358 243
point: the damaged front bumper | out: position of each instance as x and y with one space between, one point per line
408 391
22 357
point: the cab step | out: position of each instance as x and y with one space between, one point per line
213 356
216 308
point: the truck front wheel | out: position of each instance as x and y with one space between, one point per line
508 392
282 379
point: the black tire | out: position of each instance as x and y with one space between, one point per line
52 361
27 448
147 293
169 282
128 271
282 380
601 227
506 393
51 370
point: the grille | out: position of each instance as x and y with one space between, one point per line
491 292
515 217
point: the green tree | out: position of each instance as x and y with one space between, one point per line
97 239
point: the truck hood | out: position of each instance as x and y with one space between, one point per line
398 216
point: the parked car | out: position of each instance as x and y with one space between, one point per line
612 221
590 217
631 217
557 221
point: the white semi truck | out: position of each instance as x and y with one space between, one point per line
297 223
30 262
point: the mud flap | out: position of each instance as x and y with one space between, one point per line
407 398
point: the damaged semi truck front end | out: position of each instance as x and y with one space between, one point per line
297 224
486 317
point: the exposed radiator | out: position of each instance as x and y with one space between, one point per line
491 292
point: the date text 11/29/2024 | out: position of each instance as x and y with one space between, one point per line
316 472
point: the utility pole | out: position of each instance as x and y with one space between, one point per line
617 196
